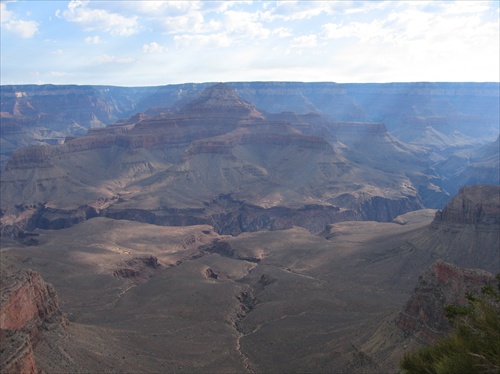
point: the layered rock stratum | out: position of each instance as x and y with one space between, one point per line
473 205
217 160
29 306
32 114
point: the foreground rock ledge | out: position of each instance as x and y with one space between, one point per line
28 306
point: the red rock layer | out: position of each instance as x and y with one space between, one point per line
27 305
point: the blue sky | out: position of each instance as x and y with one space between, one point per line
144 43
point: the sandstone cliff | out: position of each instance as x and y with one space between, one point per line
29 306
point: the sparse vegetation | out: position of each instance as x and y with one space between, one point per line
474 344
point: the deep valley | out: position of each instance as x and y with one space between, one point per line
243 227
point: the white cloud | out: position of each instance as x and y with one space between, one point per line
99 19
222 6
161 8
192 22
24 29
306 41
106 59
202 41
463 7
93 40
10 22
152 47
420 41
5 14
282 32
420 24
241 40
245 24
298 10
178 8
374 31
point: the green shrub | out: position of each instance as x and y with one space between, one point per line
473 346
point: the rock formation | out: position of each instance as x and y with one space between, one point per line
139 269
217 160
422 320
31 114
29 306
474 205
465 233
442 284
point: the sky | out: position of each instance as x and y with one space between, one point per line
151 43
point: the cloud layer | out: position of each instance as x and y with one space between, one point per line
161 42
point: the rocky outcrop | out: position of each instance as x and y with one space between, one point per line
473 205
29 306
138 269
16 353
28 303
442 284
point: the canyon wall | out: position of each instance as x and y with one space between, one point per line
474 205
29 306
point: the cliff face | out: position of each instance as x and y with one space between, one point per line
88 106
473 205
46 114
173 168
28 307
447 106
27 302
442 284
